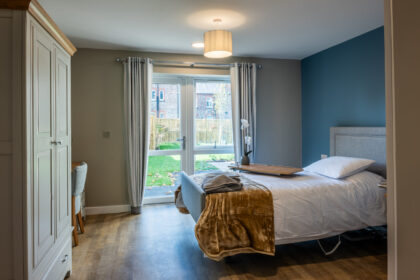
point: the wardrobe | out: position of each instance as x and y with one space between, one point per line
35 144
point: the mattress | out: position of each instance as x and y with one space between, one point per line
310 206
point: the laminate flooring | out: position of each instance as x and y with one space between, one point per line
160 244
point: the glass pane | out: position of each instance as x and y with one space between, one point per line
165 117
162 174
213 114
212 162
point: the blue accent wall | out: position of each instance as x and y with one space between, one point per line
342 86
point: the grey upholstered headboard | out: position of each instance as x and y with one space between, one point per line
364 142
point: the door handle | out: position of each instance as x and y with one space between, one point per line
183 140
56 142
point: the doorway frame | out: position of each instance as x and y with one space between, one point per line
187 127
390 140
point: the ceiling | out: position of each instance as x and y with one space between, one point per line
261 28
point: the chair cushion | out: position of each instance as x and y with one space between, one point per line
79 179
77 204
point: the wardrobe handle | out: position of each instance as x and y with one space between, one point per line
65 259
56 142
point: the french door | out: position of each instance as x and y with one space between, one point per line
190 130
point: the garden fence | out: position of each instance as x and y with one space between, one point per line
207 131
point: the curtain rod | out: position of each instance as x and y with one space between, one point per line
186 63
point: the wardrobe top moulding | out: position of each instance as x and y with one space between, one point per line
36 10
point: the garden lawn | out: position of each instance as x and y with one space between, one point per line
162 170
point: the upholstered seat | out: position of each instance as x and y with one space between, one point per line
78 186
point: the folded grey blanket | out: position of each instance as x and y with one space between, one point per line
221 182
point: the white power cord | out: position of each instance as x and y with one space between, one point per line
333 249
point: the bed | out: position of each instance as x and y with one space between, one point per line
310 206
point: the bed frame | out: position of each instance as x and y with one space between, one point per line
365 142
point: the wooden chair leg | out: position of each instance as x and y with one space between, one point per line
73 221
79 217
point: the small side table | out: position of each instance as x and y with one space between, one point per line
383 185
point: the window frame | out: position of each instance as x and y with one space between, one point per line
188 100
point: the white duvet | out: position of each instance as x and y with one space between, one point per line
310 206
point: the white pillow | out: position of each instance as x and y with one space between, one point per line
339 167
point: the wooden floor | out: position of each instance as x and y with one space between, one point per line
160 244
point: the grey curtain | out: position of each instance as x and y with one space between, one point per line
244 87
137 87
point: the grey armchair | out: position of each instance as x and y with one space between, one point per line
78 186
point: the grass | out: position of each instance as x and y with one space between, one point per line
169 146
162 169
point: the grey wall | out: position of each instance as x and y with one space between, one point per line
97 91
8 155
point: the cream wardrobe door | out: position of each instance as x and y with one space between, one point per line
62 112
43 148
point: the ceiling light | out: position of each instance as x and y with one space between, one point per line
198 45
217 43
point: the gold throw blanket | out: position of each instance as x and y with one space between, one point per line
237 222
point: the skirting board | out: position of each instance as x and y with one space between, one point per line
110 209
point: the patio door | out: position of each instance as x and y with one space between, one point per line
190 130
